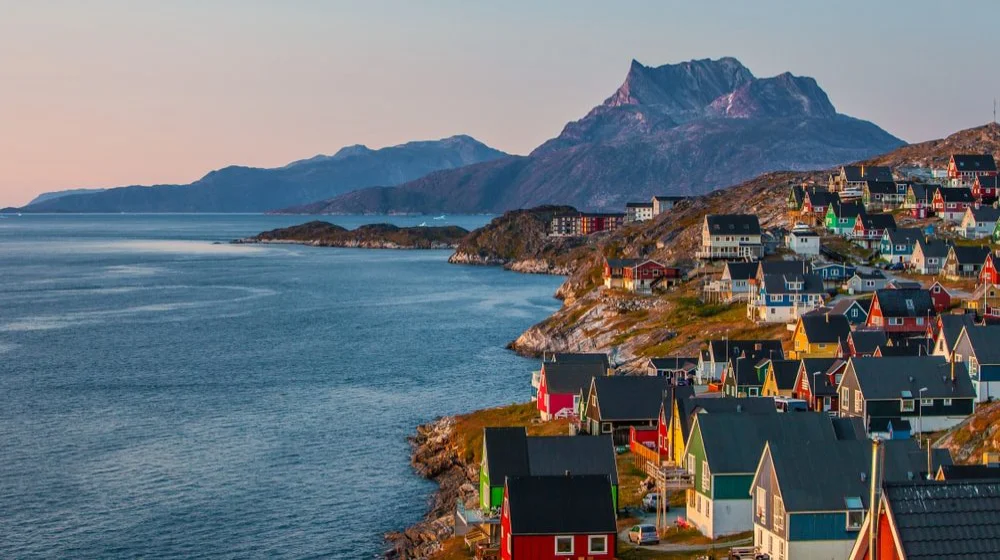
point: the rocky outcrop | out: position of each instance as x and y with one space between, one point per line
434 458
373 236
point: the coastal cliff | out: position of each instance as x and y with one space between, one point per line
519 241
371 236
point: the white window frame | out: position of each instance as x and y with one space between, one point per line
562 537
706 478
904 408
859 404
845 398
690 463
947 402
603 539
926 402
779 514
854 527
761 503
606 427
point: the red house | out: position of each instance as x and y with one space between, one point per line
989 273
640 277
984 189
940 296
901 311
951 204
557 517
816 384
562 385
964 168
932 518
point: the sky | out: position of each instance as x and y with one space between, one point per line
98 93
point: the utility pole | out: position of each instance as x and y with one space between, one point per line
873 505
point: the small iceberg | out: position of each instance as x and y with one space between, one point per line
423 224
441 217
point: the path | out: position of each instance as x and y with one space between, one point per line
646 518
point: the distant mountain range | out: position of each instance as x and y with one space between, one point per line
252 189
678 129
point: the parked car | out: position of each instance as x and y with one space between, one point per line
785 404
651 500
643 534
747 553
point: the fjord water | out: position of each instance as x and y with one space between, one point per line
162 396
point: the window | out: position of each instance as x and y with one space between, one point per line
845 398
947 402
895 321
779 514
926 402
708 509
973 367
858 402
761 503
511 550
690 463
854 519
907 405
706 478
606 427
597 544
754 392
564 546
697 501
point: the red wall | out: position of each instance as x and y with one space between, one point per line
543 547
662 437
557 401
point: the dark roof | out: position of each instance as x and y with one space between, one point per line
561 377
878 221
819 381
933 247
582 358
952 325
506 452
821 198
988 181
733 223
638 205
886 351
826 328
746 372
741 270
783 267
957 194
907 302
970 254
946 519
841 306
777 283
975 162
882 424
686 408
907 236
867 172
923 192
985 341
734 441
752 349
865 342
894 377
674 363
898 284
622 263
969 472
847 209
849 428
785 372
875 274
669 198
845 466
630 397
550 505
554 455
881 187
985 213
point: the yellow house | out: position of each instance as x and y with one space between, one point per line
780 378
684 410
817 335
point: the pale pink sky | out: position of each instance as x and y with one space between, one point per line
108 93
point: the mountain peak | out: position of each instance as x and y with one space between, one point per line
783 95
680 89
351 151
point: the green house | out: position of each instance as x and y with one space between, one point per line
841 216
511 452
722 455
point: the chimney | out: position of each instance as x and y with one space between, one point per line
827 317
567 473
873 505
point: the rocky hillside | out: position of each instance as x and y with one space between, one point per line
978 140
252 189
372 236
686 128
978 434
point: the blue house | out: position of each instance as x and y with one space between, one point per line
978 348
783 298
833 274
856 310
897 245
810 497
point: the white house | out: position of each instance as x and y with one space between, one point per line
978 223
804 242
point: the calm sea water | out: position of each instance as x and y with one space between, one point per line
162 396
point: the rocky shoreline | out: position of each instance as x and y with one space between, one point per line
371 236
434 458
524 266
